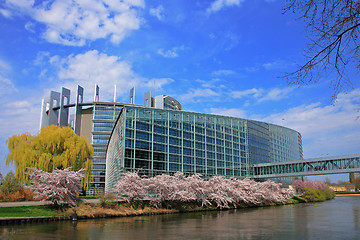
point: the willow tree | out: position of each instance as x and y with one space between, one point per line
53 148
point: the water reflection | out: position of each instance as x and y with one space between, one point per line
356 217
336 219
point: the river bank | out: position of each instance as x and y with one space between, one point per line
19 212
71 217
347 194
93 209
334 219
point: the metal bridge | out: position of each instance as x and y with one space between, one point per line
307 167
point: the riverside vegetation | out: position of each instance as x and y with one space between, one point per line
43 165
163 194
52 148
313 191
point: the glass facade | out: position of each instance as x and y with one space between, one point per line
285 144
155 141
104 117
259 140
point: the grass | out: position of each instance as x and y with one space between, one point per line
347 192
110 209
114 209
296 199
31 211
83 211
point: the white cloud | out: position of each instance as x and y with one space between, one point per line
157 12
233 40
5 13
275 65
276 94
168 53
93 68
18 113
30 26
41 57
4 66
251 69
20 116
157 83
331 129
219 4
7 86
17 117
262 95
16 107
223 72
213 83
22 5
73 22
231 112
171 53
254 92
193 95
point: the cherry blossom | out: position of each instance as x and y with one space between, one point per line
299 185
60 186
218 190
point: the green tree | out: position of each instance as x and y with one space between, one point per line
53 148
354 178
10 184
333 28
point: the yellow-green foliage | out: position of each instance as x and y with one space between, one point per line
53 148
10 184
317 195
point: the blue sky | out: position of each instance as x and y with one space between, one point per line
216 56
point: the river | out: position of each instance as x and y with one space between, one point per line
335 219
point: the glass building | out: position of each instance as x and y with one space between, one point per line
155 141
93 120
160 138
104 116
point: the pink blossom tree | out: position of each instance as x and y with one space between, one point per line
132 187
217 190
198 188
299 185
60 186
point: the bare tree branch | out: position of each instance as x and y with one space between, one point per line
333 28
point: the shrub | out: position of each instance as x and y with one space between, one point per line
10 184
106 198
12 191
313 191
329 194
18 196
299 185
313 195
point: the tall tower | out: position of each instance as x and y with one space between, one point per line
132 95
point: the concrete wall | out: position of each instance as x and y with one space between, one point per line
86 124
